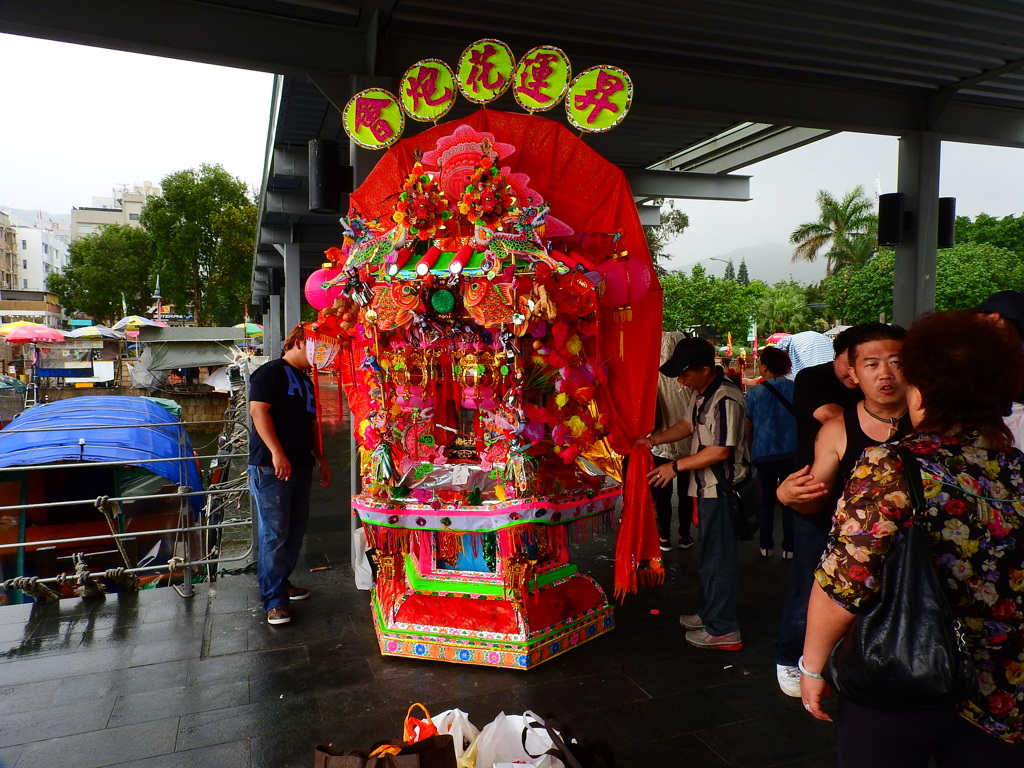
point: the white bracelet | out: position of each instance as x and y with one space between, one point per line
805 671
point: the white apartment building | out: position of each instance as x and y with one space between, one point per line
40 250
123 207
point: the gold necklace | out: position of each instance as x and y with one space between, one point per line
891 421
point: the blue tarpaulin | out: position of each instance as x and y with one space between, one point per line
131 437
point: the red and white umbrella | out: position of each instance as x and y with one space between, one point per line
775 338
33 333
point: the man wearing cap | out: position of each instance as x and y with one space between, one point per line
718 449
1006 309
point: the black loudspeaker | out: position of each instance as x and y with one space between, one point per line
890 218
947 222
324 176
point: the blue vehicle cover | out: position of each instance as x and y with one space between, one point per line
131 438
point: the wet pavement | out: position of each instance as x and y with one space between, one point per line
153 680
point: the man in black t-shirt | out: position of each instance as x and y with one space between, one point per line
821 392
879 415
282 453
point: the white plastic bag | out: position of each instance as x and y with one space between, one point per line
360 565
456 722
500 743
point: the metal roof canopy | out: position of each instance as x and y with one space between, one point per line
717 85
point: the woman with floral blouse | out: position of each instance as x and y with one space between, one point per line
974 491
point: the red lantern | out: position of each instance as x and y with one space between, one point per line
626 281
319 293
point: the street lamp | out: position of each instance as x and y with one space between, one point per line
715 258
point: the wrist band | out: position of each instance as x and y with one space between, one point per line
805 671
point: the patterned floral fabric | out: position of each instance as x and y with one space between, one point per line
975 519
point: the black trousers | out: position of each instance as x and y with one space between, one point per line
876 738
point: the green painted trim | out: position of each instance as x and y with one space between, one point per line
424 584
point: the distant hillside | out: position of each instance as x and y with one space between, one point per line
29 217
770 262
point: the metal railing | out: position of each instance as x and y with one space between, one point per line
203 530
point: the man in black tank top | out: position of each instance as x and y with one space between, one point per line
814 490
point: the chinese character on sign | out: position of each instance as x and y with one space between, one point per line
373 119
599 97
486 70
482 74
536 72
369 114
428 90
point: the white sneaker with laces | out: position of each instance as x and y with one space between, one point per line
789 680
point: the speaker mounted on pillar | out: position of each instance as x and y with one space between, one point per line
947 222
325 176
891 218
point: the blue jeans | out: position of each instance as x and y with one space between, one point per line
717 568
282 511
808 544
769 474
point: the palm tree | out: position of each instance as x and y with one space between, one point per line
783 307
846 231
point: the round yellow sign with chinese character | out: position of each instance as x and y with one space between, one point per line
486 70
542 78
599 98
428 90
373 119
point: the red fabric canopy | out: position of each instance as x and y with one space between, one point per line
591 195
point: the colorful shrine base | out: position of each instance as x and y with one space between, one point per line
489 630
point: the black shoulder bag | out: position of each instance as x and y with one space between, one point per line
779 396
906 651
744 500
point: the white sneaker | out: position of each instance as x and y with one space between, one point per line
789 680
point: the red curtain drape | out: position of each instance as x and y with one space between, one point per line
590 194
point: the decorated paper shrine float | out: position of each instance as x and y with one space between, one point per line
501 320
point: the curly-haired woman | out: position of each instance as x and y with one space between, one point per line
974 516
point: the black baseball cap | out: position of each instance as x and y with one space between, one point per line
1009 304
688 354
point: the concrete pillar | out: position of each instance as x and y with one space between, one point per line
292 285
272 336
918 180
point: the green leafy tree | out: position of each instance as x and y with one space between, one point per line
1007 232
203 229
783 307
673 223
742 277
964 276
700 299
102 266
845 232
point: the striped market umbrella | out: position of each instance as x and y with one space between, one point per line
251 329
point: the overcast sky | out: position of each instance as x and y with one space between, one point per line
80 121
85 120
